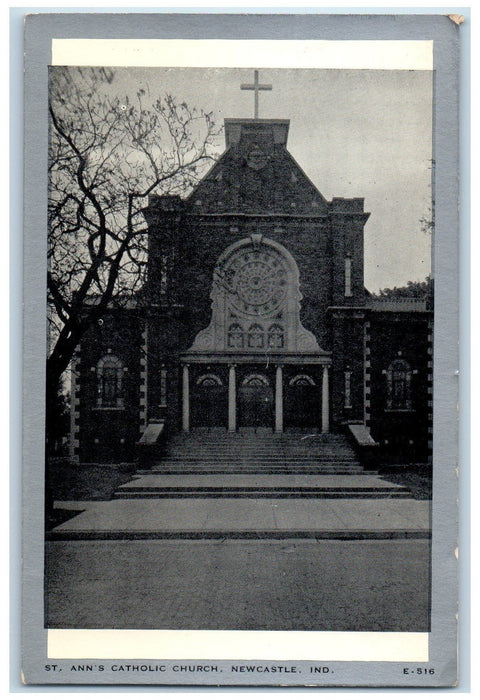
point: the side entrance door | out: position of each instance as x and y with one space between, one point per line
255 401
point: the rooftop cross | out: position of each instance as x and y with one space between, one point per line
256 87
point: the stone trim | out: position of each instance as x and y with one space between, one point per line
366 373
74 446
347 390
243 215
143 378
348 277
430 388
257 358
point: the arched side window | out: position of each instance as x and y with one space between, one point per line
109 382
399 386
235 336
275 337
256 337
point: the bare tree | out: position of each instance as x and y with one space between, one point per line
107 155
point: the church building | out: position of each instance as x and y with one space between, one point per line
254 316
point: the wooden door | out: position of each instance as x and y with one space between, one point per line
256 402
302 402
209 402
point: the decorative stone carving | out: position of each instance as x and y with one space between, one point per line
257 159
255 281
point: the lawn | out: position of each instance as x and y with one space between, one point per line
92 482
417 478
74 482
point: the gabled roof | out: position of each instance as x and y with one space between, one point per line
256 175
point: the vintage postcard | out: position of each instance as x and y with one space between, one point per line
240 343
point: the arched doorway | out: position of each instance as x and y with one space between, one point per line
209 401
302 402
255 401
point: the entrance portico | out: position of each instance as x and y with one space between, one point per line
280 392
255 365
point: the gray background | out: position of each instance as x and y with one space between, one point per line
39 33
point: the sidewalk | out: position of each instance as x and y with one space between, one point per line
250 518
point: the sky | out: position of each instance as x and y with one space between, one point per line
355 133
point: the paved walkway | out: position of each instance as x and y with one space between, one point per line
204 518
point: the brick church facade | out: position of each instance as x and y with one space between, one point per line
255 316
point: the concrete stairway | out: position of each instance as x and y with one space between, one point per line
249 464
258 453
304 486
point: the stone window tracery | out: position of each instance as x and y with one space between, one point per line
275 336
235 338
257 278
256 337
255 301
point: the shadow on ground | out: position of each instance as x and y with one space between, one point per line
86 482
73 482
417 479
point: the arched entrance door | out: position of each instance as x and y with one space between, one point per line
209 401
255 401
302 402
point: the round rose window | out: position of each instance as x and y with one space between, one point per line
257 280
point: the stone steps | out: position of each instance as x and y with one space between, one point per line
222 469
217 452
249 451
233 448
232 452
235 457
249 466
265 442
274 459
262 493
276 485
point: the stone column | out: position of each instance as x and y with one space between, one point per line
279 400
186 400
232 400
325 401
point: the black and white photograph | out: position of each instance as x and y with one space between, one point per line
239 381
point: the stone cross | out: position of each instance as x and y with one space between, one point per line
256 87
